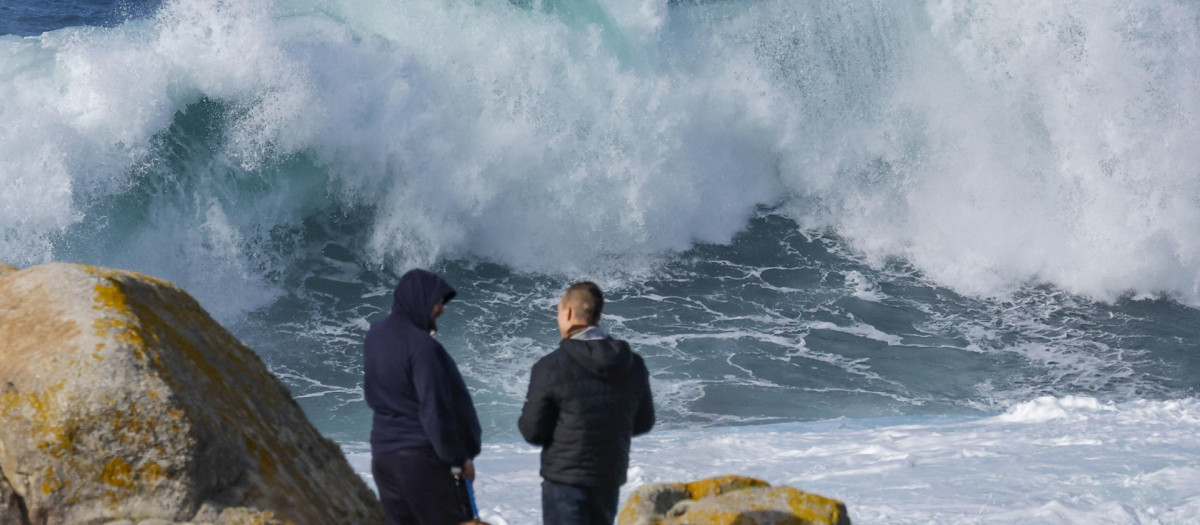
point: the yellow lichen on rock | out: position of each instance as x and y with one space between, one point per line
116 322
815 508
38 414
706 488
650 502
118 473
729 500
244 516
760 506
49 482
120 398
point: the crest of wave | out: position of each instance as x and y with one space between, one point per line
1030 142
518 134
990 145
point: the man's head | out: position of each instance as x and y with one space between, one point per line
580 306
421 297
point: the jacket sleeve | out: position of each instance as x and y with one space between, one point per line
540 413
433 383
643 421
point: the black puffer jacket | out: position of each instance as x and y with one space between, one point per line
586 400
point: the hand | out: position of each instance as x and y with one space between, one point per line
469 471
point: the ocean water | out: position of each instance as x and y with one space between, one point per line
939 259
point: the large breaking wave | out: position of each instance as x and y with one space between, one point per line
992 145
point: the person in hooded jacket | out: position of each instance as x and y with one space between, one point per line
424 420
586 400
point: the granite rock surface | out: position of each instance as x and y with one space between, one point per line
121 399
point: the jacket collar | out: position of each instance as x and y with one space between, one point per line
590 333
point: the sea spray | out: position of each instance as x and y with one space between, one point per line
988 146
1036 141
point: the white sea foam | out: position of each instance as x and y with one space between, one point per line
1128 463
861 330
990 144
1047 408
1039 143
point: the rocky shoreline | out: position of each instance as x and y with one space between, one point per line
122 401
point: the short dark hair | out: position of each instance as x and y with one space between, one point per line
588 299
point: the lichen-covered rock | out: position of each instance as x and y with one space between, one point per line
11 508
760 506
707 488
121 399
650 502
729 500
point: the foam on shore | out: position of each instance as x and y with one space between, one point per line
1049 460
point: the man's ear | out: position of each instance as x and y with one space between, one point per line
570 313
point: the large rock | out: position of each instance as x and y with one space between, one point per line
729 500
121 399
12 509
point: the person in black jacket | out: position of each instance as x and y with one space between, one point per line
424 420
586 400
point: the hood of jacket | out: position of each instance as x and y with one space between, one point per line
608 358
416 294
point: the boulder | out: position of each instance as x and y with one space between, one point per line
729 500
11 508
121 399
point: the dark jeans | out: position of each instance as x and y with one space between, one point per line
417 488
571 505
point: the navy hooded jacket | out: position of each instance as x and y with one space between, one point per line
411 383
